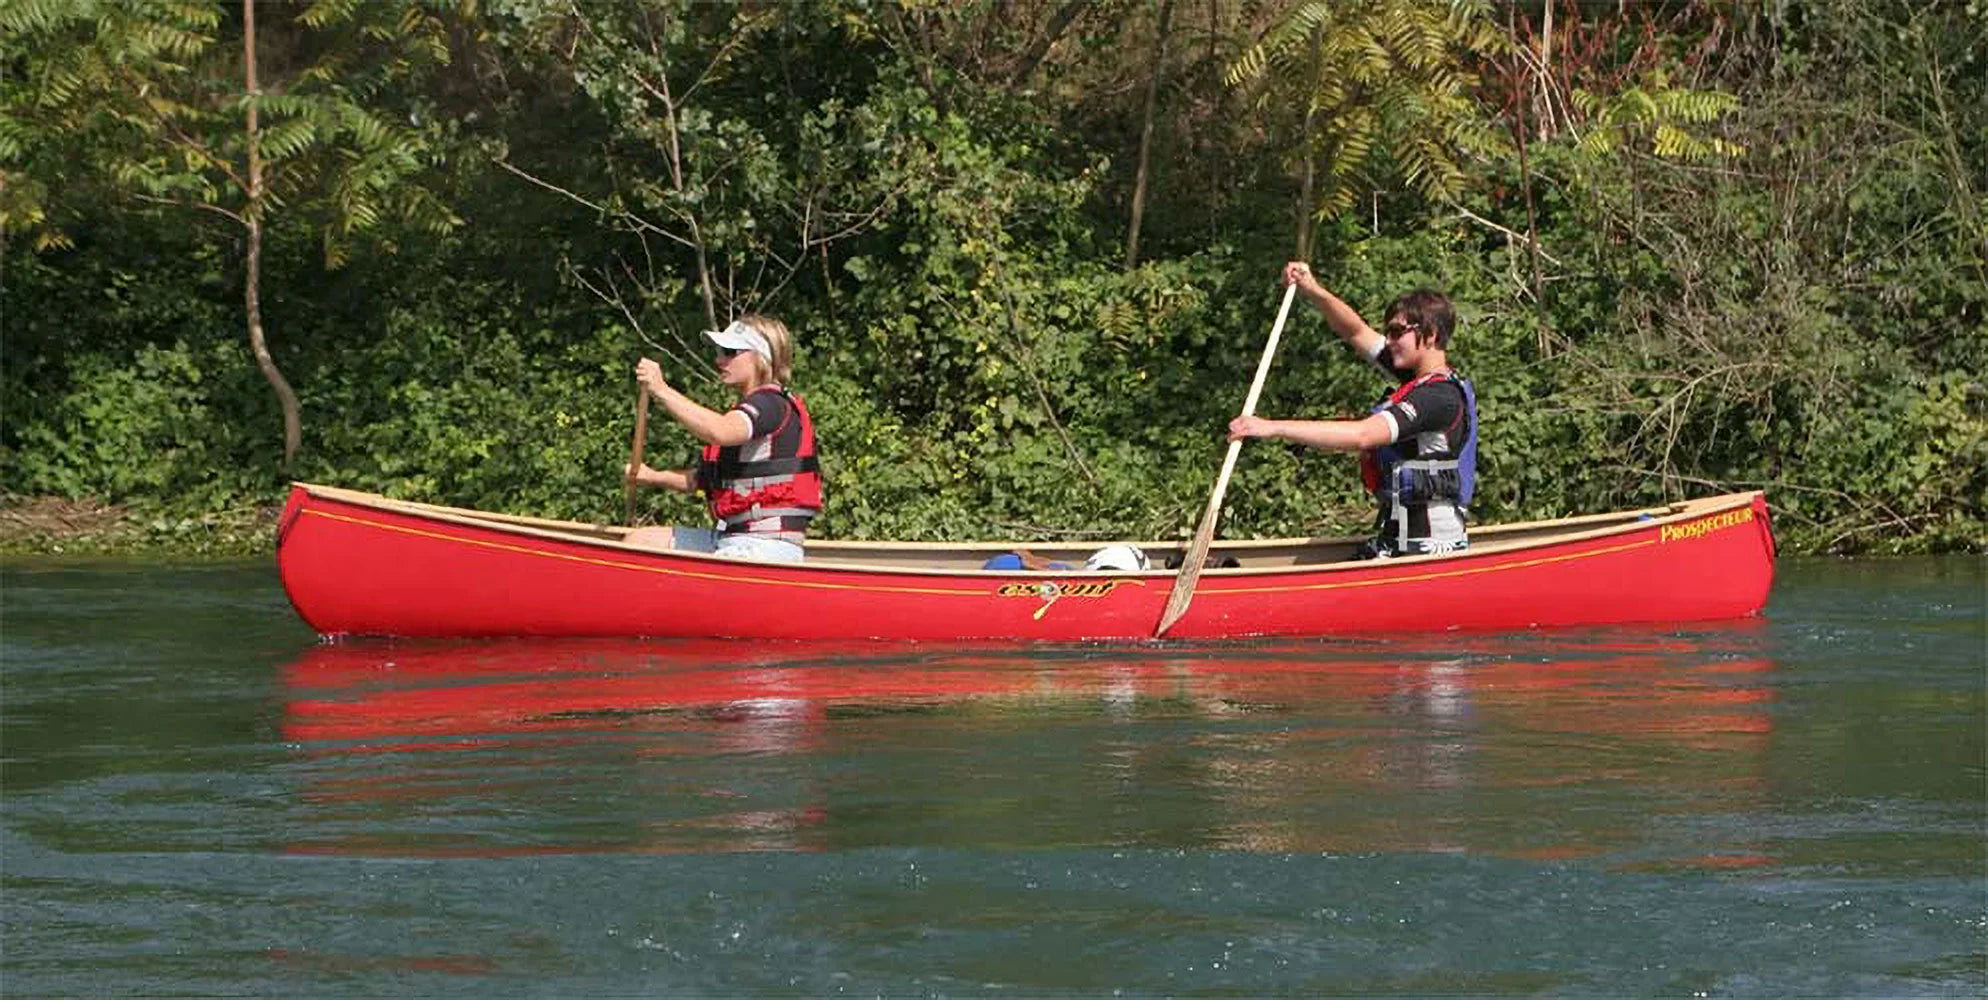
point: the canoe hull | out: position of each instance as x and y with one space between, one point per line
364 566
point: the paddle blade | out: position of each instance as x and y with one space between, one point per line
1190 571
1197 551
1183 585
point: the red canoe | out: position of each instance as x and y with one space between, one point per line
361 564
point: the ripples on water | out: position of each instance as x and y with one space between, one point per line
201 800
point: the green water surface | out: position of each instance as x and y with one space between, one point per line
202 800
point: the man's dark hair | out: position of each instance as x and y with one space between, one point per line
1429 312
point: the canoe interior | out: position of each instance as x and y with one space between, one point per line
1250 556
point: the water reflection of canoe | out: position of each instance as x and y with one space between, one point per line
413 692
358 563
711 745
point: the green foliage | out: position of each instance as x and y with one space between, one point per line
1782 321
158 112
1385 90
1764 269
482 411
138 428
1660 114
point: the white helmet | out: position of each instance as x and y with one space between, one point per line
1121 557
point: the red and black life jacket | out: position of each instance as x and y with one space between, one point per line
784 485
1451 476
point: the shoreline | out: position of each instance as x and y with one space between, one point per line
67 527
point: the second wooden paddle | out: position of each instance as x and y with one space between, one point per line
1197 552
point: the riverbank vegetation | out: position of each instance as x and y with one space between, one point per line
1029 250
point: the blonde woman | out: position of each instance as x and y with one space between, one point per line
758 470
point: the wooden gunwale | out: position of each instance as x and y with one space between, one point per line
1490 540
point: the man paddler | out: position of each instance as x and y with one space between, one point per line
1418 448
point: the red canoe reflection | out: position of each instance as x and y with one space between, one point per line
1688 716
444 690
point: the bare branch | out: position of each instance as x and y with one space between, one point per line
549 186
1039 50
865 219
1509 234
737 39
636 222
612 295
183 140
231 215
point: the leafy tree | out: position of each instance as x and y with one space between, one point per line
1738 246
1379 91
704 170
1720 311
164 112
1155 68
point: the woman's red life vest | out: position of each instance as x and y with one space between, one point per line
785 485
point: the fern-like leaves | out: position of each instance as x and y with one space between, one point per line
1387 87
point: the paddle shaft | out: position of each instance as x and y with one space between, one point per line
635 449
1197 553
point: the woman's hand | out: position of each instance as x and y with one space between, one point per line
650 375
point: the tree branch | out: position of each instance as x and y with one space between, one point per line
233 216
1509 234
640 224
1039 50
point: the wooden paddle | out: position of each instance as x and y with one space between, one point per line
1197 553
635 450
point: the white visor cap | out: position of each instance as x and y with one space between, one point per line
740 337
1120 557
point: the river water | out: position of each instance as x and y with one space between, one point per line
200 799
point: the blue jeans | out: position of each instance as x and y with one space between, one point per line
737 545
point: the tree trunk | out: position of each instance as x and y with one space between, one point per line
1546 126
1306 180
1525 185
259 345
676 183
1039 49
252 279
1146 134
1532 234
